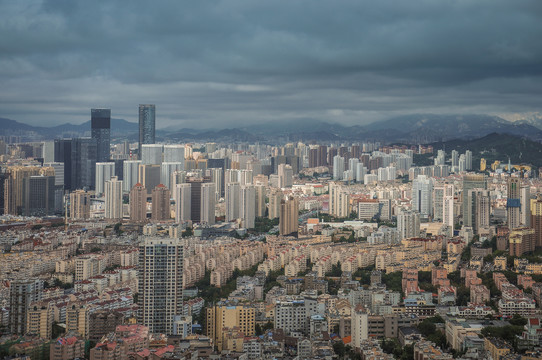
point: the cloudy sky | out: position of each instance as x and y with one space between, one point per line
224 63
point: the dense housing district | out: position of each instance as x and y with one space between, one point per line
120 250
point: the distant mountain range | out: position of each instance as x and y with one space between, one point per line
12 127
423 128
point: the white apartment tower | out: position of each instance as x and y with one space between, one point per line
338 167
232 201
183 202
130 173
104 172
247 206
160 282
208 195
113 199
422 195
408 224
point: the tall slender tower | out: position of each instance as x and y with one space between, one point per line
147 121
104 172
160 203
208 195
183 202
21 294
113 199
232 201
247 206
100 122
138 203
289 212
448 206
513 203
80 205
160 282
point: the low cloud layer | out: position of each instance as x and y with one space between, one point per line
234 62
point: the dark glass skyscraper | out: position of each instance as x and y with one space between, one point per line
83 163
101 131
146 125
63 150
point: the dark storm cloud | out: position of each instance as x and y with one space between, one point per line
243 61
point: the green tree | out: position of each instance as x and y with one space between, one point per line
339 348
518 320
187 233
393 281
427 328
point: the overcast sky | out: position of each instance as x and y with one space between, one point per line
219 63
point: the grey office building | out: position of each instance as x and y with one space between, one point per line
100 120
147 121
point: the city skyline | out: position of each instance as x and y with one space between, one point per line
244 63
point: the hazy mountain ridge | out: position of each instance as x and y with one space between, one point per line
421 128
12 127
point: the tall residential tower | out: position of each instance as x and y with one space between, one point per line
160 283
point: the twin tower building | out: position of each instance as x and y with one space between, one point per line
100 120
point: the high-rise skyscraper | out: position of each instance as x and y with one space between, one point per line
100 122
232 201
168 168
160 203
208 195
151 154
14 186
195 198
39 195
183 202
448 206
160 283
289 213
138 203
408 224
275 196
338 167
536 219
338 201
21 294
217 179
468 160
147 124
149 176
174 153
478 209
422 195
104 172
62 154
130 174
286 175
113 199
260 200
247 205
525 200
322 155
472 181
313 157
80 205
455 159
83 163
513 203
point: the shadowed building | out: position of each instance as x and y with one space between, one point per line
100 122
